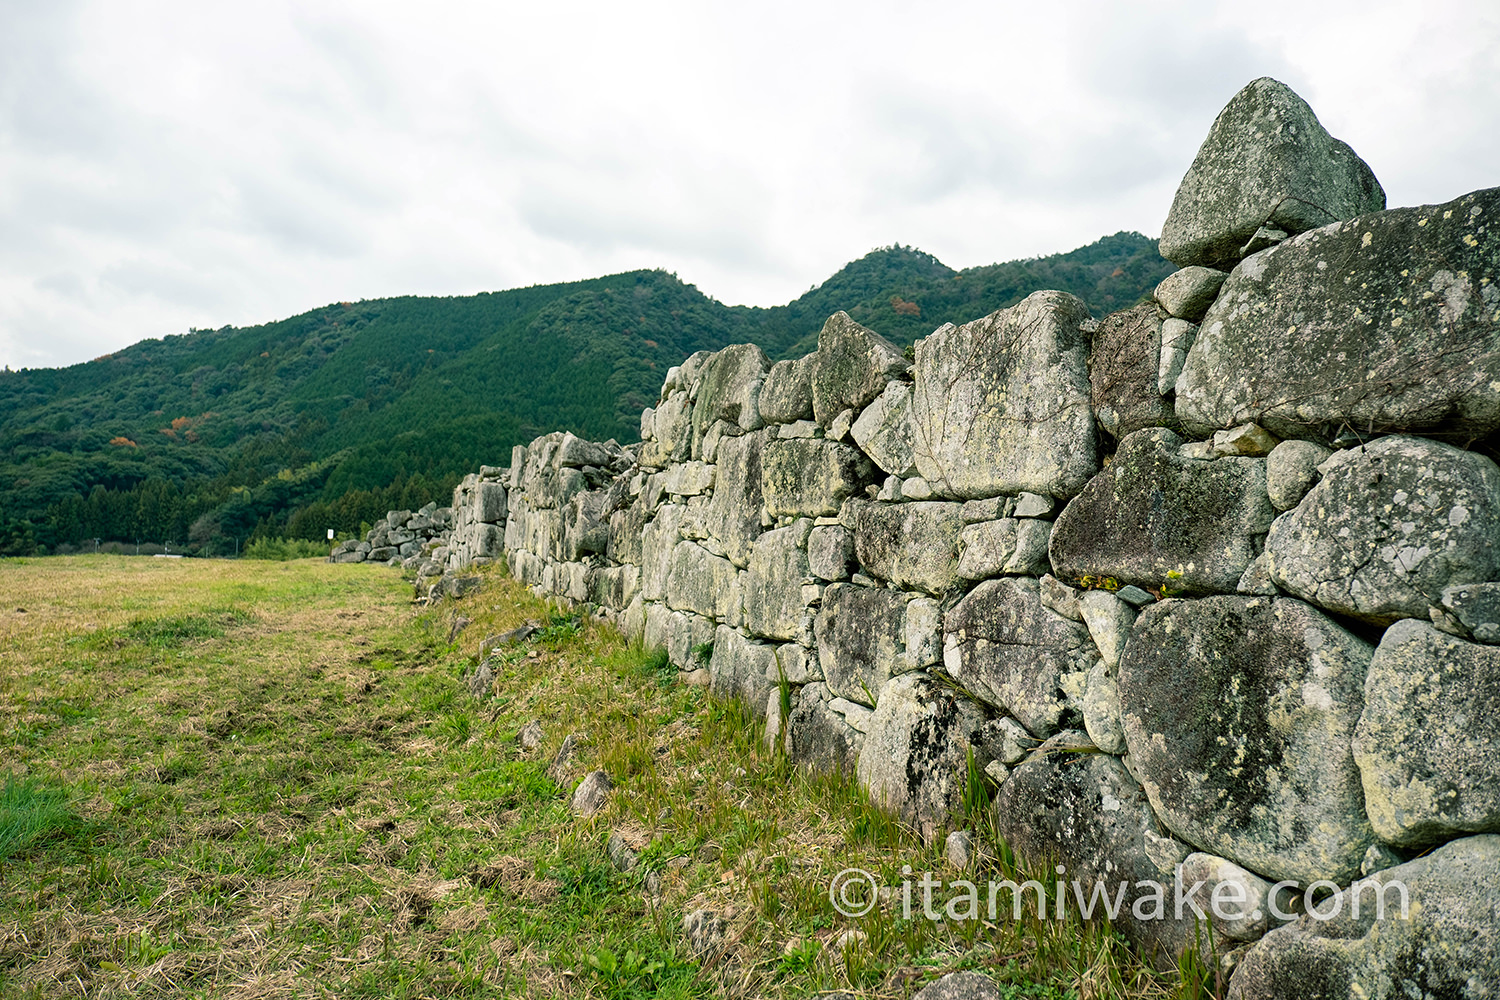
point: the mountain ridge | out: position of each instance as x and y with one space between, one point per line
332 416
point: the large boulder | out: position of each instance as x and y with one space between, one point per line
915 757
810 477
658 539
585 525
537 531
671 437
1002 404
1123 362
573 580
1388 322
786 394
817 737
1389 526
1083 810
546 485
733 516
867 635
1238 714
851 367
774 606
1267 164
699 581
689 479
473 541
614 587
574 452
913 545
482 501
1009 546
1428 743
1004 646
729 389
1158 519
1443 943
524 566
738 669
884 431
626 530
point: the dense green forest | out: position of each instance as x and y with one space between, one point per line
331 418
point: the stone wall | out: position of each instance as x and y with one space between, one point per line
405 538
1208 588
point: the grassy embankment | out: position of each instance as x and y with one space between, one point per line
257 779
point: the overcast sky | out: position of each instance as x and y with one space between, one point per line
171 165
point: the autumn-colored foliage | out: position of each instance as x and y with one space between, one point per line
904 308
123 442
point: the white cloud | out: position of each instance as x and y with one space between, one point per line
168 164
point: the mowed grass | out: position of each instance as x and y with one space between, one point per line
259 779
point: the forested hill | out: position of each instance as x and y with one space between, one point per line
332 417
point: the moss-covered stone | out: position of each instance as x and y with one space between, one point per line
786 395
728 389
867 635
1442 945
913 545
916 751
1004 647
851 367
1159 520
1389 526
1002 404
773 584
1267 164
733 516
1388 322
1124 363
1428 743
1083 810
811 477
818 738
1238 714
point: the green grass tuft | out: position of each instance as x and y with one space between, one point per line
31 813
174 631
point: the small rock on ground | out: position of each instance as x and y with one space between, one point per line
704 930
961 986
591 794
557 771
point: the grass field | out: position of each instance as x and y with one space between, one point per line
263 779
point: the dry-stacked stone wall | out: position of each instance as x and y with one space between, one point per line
1209 588
403 538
